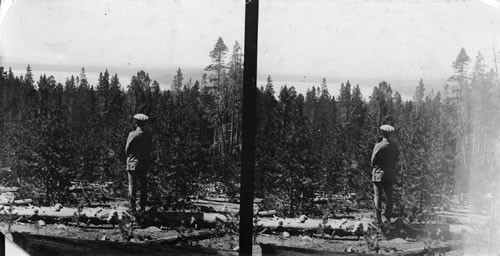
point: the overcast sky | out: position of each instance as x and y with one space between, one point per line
357 38
344 38
118 32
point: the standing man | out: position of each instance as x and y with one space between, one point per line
138 150
384 157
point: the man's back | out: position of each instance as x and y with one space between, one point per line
384 158
139 144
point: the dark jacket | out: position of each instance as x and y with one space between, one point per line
138 150
384 158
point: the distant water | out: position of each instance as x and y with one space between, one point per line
92 77
164 76
405 87
333 87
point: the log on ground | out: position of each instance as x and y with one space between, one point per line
99 216
8 189
341 227
18 202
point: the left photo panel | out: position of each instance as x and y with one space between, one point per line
120 125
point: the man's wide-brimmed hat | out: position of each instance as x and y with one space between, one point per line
387 128
141 117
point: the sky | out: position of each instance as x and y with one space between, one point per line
151 33
374 39
339 39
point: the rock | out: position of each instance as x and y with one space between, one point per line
306 238
104 238
359 228
255 209
41 223
61 226
350 249
8 209
399 241
152 229
58 207
236 249
7 197
113 216
411 240
286 234
134 240
302 218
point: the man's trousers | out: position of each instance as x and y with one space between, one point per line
135 178
385 187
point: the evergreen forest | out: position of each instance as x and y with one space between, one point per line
54 133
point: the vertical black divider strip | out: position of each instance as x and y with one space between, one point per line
249 123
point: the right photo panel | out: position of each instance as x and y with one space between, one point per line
378 124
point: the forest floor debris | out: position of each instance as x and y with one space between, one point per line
213 224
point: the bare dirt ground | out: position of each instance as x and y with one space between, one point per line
474 243
230 241
333 245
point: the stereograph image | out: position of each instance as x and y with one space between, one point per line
127 127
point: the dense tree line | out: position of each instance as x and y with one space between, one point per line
54 133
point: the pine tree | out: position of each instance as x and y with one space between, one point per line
418 98
28 78
178 78
461 98
218 55
83 79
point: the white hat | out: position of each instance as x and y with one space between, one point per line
141 117
386 128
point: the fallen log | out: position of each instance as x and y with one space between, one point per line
51 215
461 218
441 229
99 216
18 202
214 203
191 236
269 213
224 207
91 226
50 245
218 207
8 189
220 199
199 219
228 200
463 210
340 227
347 227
